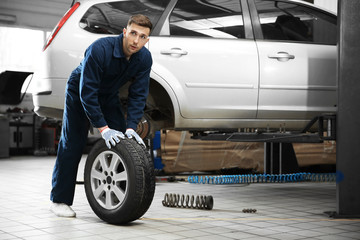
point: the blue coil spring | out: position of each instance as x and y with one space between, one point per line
263 178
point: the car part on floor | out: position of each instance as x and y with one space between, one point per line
119 182
249 210
199 202
264 178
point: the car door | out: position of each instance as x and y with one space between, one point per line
297 53
204 56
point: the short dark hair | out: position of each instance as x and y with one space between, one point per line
140 20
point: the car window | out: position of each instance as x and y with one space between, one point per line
112 17
293 22
211 18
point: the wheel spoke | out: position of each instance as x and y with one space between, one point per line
103 161
97 175
108 200
99 191
120 176
114 163
119 193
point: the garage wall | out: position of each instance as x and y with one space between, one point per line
24 26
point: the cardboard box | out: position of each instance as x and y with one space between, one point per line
180 153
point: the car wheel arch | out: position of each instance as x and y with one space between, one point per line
161 105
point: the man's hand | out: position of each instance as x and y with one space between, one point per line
130 133
111 136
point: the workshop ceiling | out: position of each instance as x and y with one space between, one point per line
35 14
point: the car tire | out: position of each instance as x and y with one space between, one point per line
119 182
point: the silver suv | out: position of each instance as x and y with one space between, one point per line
218 64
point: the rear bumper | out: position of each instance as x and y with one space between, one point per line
49 112
48 105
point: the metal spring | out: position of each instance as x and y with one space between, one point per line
249 210
263 178
177 200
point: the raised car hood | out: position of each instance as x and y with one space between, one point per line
10 86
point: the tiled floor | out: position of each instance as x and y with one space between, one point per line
284 211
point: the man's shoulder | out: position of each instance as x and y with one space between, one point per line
104 45
105 41
145 54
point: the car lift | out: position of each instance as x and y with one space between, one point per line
278 145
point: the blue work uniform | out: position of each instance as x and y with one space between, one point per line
92 96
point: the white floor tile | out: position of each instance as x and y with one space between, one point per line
284 211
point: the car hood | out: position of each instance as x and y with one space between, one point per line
10 86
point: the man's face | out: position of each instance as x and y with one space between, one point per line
135 37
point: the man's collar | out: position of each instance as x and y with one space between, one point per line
118 48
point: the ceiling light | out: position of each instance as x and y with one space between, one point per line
7 18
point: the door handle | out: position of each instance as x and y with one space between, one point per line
282 56
176 52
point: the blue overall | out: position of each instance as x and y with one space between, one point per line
92 97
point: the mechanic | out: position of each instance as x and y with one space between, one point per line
92 97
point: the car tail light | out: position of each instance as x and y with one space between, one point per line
60 24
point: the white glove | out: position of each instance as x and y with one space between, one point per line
130 133
111 136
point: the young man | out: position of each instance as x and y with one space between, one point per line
92 98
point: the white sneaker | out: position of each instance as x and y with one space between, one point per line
62 210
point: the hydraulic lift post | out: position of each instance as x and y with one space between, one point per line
348 121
